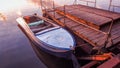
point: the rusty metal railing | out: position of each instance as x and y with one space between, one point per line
86 1
113 6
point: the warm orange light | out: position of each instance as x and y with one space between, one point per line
2 17
19 13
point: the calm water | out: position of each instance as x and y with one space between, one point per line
13 55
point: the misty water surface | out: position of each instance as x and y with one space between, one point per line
18 8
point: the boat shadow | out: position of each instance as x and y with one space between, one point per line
51 61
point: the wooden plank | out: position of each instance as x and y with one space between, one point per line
94 36
97 11
115 33
90 17
69 23
57 16
82 21
93 18
66 19
115 28
87 34
57 21
117 40
85 38
82 31
100 40
79 28
111 63
101 20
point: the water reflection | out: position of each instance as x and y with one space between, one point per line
2 17
102 4
14 8
26 7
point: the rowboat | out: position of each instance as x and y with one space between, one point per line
48 36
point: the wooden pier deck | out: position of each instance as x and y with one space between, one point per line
90 16
87 25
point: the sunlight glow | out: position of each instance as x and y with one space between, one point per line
11 5
19 13
2 17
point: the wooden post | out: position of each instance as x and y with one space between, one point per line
41 4
87 3
110 5
64 14
75 2
95 3
54 8
113 8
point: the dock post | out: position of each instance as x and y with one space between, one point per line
64 14
75 2
110 5
95 3
54 8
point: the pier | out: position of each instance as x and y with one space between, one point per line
92 28
88 23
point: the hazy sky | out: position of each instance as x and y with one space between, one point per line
26 7
10 5
16 8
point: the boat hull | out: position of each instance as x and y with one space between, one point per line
51 61
58 52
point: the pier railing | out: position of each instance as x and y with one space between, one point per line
112 7
87 2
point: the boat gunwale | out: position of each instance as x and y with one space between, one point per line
36 40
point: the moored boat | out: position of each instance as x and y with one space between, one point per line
47 35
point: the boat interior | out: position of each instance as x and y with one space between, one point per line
36 24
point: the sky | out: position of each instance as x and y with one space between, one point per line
13 5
